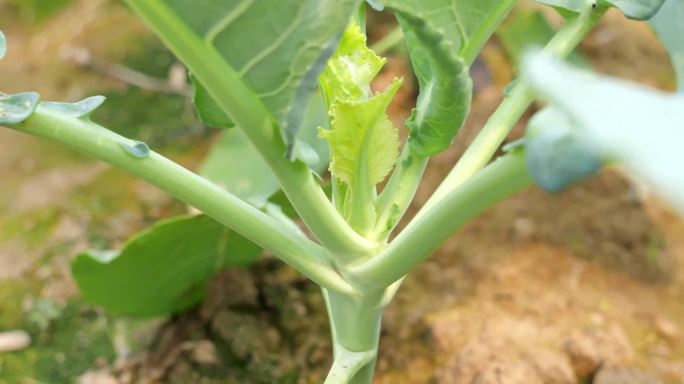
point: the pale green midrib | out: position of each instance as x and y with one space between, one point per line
484 31
226 20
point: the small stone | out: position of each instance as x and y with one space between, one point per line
508 372
97 377
204 353
592 349
14 341
551 366
667 329
625 376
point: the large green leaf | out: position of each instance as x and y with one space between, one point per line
668 24
443 37
638 127
234 164
278 47
163 269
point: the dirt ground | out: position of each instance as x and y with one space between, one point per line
581 287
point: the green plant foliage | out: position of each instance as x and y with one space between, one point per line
349 72
18 107
635 126
362 138
668 24
443 37
525 29
79 109
557 155
571 5
279 48
162 269
226 163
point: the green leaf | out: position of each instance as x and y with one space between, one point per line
234 164
557 155
18 107
163 269
668 24
633 125
3 45
349 72
362 132
525 29
278 47
208 111
79 109
443 38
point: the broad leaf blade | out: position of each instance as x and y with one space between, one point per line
234 164
633 125
668 24
163 269
278 47
571 5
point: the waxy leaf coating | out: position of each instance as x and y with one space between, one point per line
3 45
163 269
18 107
79 109
633 9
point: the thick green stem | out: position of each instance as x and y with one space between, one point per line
398 193
93 140
511 109
355 324
506 176
246 110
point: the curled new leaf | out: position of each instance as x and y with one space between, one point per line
351 68
361 132
443 37
18 107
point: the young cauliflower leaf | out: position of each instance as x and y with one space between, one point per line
365 147
351 69
364 144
